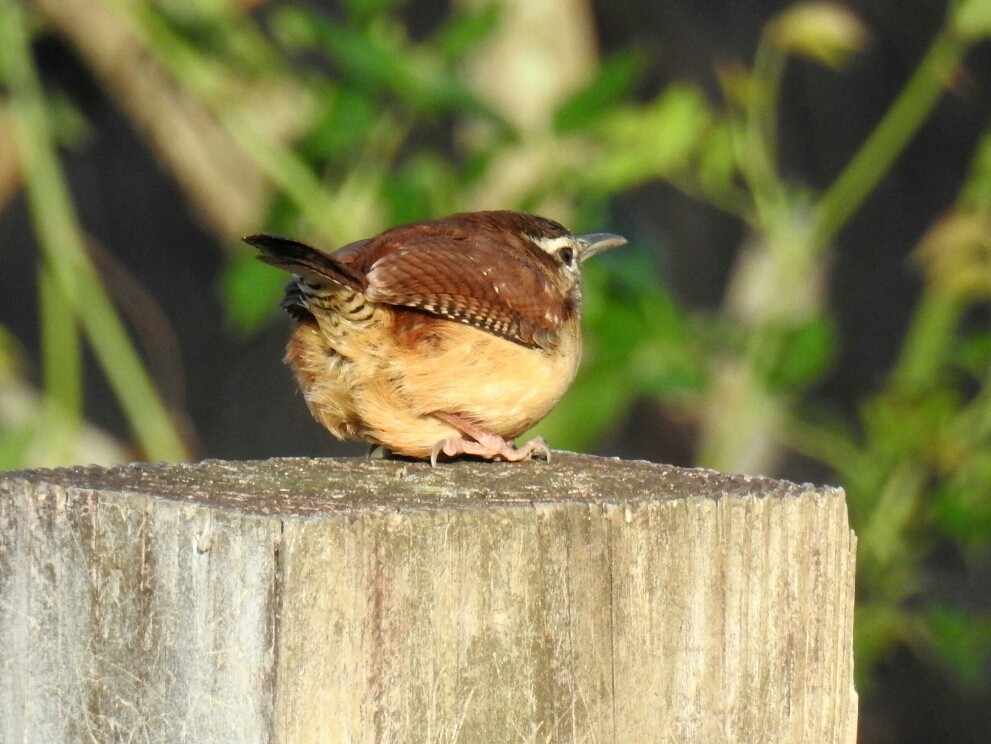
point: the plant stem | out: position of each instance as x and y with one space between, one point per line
759 137
200 77
62 372
72 274
889 138
927 342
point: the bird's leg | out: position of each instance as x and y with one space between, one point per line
480 443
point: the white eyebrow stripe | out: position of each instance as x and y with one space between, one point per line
553 245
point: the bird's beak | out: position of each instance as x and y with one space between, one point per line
589 245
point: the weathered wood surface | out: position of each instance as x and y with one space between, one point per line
294 600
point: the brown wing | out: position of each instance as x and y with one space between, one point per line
491 286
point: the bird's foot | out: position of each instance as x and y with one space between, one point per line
492 447
477 442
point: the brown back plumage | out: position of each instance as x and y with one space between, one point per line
467 268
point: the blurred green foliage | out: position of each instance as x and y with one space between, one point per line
383 143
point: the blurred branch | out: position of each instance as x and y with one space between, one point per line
72 275
916 468
929 338
9 173
221 132
154 333
258 115
780 278
904 118
225 186
518 71
61 355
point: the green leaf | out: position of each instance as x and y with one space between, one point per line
423 188
596 402
804 353
650 142
973 353
614 80
715 164
637 331
364 11
380 60
962 641
466 29
343 125
963 513
899 427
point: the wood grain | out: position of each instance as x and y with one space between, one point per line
294 600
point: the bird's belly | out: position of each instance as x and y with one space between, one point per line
387 393
502 386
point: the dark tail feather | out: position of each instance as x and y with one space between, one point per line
308 262
296 301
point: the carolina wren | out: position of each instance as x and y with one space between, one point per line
452 336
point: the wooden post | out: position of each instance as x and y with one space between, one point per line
294 600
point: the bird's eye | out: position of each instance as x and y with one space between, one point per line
566 254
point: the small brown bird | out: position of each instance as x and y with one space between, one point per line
452 336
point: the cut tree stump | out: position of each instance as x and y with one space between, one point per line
296 600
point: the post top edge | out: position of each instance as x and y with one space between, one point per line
298 486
